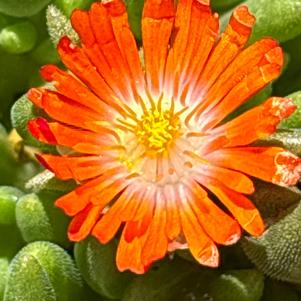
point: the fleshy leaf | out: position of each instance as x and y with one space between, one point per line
21 8
97 265
4 263
45 272
160 283
10 237
18 38
237 285
277 291
8 200
38 219
277 252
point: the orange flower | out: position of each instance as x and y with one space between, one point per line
147 144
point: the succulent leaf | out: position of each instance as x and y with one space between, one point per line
277 252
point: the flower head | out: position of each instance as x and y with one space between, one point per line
147 143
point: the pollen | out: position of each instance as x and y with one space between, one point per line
156 130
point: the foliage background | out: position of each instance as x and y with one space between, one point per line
38 263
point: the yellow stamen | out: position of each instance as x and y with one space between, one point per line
156 130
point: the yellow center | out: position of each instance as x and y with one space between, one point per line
156 130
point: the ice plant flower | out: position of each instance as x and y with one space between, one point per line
147 143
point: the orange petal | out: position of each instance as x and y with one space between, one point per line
107 227
108 48
232 179
77 168
81 225
125 40
248 61
271 164
99 191
129 254
242 208
257 123
157 24
201 246
76 60
173 222
143 217
229 46
59 134
156 242
222 228
72 88
195 31
62 108
253 82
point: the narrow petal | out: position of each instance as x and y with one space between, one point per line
77 168
195 36
248 65
256 123
62 109
271 164
103 30
82 224
109 224
76 60
129 254
229 46
261 76
157 24
222 228
173 222
79 140
156 242
70 87
126 41
241 207
201 246
99 191
232 179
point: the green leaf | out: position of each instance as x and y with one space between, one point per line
237 285
59 25
18 38
8 200
274 201
8 228
4 263
22 8
97 265
67 6
134 9
277 291
161 283
294 121
277 252
39 219
45 272
45 53
22 111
